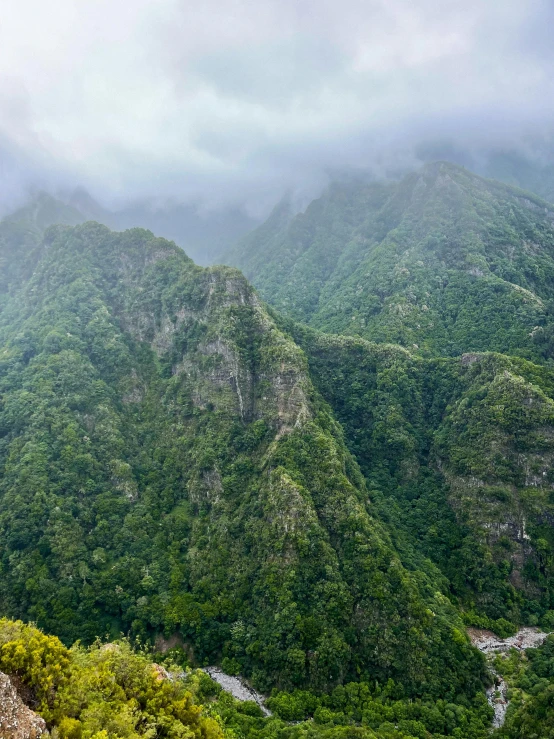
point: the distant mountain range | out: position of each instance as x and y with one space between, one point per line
203 236
441 262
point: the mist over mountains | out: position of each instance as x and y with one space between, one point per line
204 236
277 369
442 262
208 235
230 105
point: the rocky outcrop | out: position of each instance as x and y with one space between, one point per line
16 720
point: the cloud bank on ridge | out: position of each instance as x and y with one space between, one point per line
233 101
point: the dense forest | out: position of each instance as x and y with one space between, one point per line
319 496
457 456
115 690
442 262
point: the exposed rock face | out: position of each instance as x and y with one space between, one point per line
218 335
16 720
487 642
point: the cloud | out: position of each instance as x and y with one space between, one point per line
235 100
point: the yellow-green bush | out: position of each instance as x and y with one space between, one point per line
107 691
40 661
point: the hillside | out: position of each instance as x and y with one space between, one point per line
459 454
112 691
535 174
443 262
166 467
21 232
204 236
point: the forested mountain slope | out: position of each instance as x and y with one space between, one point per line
443 262
166 466
460 453
21 232
535 174
204 236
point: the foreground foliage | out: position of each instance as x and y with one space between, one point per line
109 691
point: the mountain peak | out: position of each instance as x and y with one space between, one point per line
44 210
198 473
385 261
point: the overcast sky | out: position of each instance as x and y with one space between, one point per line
237 99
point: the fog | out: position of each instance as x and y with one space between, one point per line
233 102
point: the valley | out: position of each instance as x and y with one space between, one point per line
325 494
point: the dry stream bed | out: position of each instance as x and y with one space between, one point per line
487 643
490 644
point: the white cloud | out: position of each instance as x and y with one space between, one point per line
234 98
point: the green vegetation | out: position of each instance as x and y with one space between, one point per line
167 468
455 440
320 513
105 691
443 262
457 458
356 711
110 691
530 679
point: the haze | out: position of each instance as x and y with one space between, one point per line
232 103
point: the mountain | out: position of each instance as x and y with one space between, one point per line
457 454
524 172
204 236
456 450
44 210
167 467
442 262
21 232
529 166
318 512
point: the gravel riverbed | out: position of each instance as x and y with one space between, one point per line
238 688
490 644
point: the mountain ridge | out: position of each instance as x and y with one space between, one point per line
425 263
167 465
202 235
318 512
